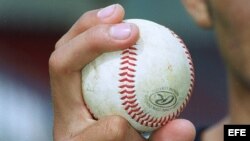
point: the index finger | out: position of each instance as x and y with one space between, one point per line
109 15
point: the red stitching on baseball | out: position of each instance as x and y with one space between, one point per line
127 51
127 92
192 74
126 74
127 86
129 58
132 48
129 101
131 106
144 115
127 97
126 80
127 68
134 110
128 64
134 114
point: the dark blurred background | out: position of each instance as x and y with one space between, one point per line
29 30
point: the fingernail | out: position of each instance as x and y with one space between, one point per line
106 12
120 31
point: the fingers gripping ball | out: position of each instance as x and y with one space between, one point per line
148 84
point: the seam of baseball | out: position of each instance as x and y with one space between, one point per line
128 93
191 69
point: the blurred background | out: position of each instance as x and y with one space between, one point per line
30 28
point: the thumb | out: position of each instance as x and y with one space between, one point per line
176 130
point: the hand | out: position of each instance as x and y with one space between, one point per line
96 32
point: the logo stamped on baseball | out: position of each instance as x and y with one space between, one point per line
148 84
163 99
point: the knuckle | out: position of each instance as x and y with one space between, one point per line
87 14
62 41
59 43
102 40
116 128
55 64
85 21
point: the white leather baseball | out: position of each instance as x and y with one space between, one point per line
149 83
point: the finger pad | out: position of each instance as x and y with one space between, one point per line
178 130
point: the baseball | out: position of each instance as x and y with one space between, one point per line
148 84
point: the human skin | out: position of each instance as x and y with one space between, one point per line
94 33
230 21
